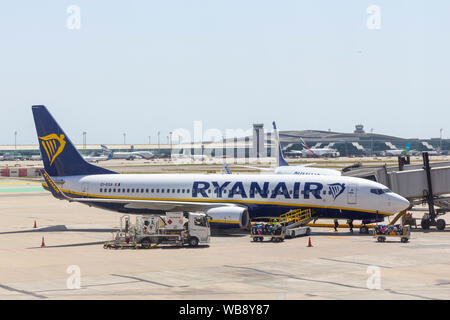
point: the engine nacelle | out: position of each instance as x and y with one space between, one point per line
228 217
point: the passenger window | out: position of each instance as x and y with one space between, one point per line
162 190
101 189
168 190
157 190
118 190
132 190
128 190
146 190
114 190
109 190
187 190
178 190
153 190
137 190
142 190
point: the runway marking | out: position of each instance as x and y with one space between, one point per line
22 291
359 263
143 280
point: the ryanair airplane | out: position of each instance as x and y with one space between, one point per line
230 200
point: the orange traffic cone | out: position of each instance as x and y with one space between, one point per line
43 242
309 243
35 225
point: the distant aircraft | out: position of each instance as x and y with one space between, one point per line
398 152
185 154
317 152
283 166
128 155
436 152
98 158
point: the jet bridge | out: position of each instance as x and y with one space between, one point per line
427 183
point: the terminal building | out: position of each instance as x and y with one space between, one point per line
261 144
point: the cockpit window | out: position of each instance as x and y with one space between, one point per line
380 191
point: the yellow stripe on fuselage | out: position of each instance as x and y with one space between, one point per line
223 201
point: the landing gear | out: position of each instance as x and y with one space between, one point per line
440 224
364 230
425 223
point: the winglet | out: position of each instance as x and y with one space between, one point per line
56 192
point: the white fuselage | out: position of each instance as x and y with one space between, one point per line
262 194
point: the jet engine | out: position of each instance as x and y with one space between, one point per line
228 217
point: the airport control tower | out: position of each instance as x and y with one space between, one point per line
258 140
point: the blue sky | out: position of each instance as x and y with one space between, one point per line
145 66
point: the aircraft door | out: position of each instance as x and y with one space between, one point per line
84 188
351 194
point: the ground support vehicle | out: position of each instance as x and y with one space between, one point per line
382 232
149 231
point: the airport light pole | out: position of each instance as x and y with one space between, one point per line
158 139
170 141
124 138
84 140
15 141
371 147
440 144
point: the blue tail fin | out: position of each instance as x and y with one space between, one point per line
281 162
59 155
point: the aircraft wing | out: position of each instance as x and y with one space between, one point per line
257 168
166 205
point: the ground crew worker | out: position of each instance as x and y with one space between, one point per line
350 224
336 224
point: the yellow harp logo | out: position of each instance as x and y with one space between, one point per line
53 145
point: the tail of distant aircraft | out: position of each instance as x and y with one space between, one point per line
59 155
281 162
106 150
408 147
303 143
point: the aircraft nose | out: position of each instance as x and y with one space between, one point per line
400 203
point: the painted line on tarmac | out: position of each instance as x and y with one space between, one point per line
22 291
359 263
143 280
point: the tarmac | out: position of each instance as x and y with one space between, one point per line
339 265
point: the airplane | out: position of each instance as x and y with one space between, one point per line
283 166
398 152
128 155
229 200
98 158
185 153
317 152
436 152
